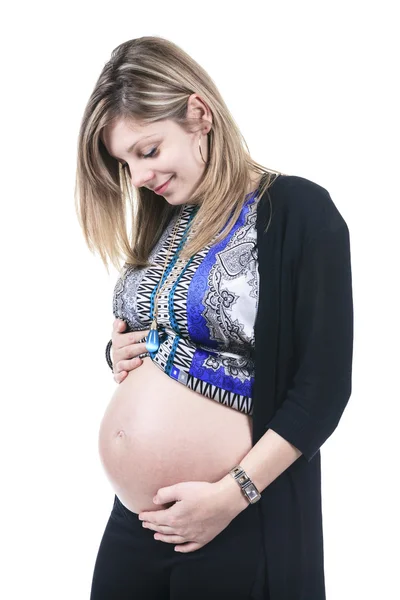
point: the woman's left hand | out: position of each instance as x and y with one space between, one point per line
201 511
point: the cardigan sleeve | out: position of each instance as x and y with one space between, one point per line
323 342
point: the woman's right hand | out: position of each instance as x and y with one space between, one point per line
125 349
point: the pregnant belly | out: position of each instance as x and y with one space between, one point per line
157 432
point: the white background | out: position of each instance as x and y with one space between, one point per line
313 87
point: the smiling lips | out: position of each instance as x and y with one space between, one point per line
162 187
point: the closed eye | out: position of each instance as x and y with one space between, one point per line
149 155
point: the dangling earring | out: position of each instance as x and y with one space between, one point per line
201 151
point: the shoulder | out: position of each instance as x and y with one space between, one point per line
300 204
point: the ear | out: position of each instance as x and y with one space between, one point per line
198 109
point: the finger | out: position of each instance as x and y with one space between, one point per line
131 351
126 339
127 365
156 517
118 325
126 353
119 378
120 339
188 547
166 529
169 539
122 358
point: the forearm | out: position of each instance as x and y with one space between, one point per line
263 464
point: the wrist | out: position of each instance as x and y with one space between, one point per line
229 488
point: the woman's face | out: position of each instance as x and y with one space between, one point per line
162 151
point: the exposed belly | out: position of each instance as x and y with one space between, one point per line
157 432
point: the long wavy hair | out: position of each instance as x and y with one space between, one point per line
148 79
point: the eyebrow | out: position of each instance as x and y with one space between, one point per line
133 145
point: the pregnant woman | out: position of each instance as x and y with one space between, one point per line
231 345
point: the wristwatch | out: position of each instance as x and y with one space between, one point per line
247 486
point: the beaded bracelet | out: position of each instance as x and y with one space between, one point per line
108 356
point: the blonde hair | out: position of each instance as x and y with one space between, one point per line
148 79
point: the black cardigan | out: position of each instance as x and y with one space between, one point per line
303 368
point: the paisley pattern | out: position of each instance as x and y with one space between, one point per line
206 315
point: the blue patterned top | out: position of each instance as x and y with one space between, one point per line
206 316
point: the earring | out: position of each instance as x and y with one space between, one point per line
201 151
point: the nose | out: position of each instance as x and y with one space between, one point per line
139 179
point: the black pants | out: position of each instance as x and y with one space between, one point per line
132 565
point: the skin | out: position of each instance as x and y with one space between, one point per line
200 510
173 152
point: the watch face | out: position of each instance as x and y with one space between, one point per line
252 493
